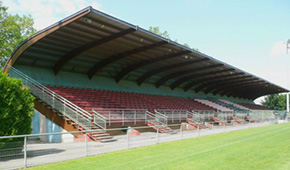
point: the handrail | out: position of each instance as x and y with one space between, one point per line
100 120
155 119
161 118
59 103
122 115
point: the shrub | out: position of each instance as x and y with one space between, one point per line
16 108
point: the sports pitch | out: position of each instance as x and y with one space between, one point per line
260 148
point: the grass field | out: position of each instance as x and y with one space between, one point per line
260 148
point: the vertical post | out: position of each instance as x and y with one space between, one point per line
86 143
135 117
25 151
109 117
224 126
212 126
128 139
181 131
53 99
287 101
157 134
123 117
198 130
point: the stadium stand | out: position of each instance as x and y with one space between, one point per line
214 105
235 106
90 98
91 70
253 106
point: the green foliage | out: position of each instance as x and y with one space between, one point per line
275 101
165 34
16 107
157 31
13 30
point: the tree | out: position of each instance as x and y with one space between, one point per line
16 107
157 31
13 30
165 34
275 101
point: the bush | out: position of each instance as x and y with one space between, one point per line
16 108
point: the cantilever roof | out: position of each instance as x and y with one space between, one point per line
94 43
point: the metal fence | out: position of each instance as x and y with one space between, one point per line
30 150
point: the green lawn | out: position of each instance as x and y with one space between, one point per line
260 148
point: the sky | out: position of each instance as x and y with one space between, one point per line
247 34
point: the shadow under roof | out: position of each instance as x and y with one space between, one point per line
96 44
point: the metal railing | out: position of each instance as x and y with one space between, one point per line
173 115
225 116
57 102
32 150
122 115
161 118
100 120
156 119
261 115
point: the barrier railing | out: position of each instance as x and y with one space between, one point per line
100 120
122 115
262 115
173 115
57 102
161 118
208 114
195 117
156 119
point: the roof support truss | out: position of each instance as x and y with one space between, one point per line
167 77
135 66
75 52
197 76
101 64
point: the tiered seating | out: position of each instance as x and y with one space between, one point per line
214 105
91 98
235 105
254 106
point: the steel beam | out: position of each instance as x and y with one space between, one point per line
143 63
167 77
75 52
101 64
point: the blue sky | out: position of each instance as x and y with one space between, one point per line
244 33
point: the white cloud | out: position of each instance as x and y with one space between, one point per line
278 49
46 12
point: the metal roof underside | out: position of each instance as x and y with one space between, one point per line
96 44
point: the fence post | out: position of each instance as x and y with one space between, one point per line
198 130
128 144
212 126
157 134
135 117
25 151
181 135
224 127
86 143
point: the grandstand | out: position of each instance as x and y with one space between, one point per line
94 71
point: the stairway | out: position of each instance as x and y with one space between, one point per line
162 129
100 135
196 124
58 109
221 122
